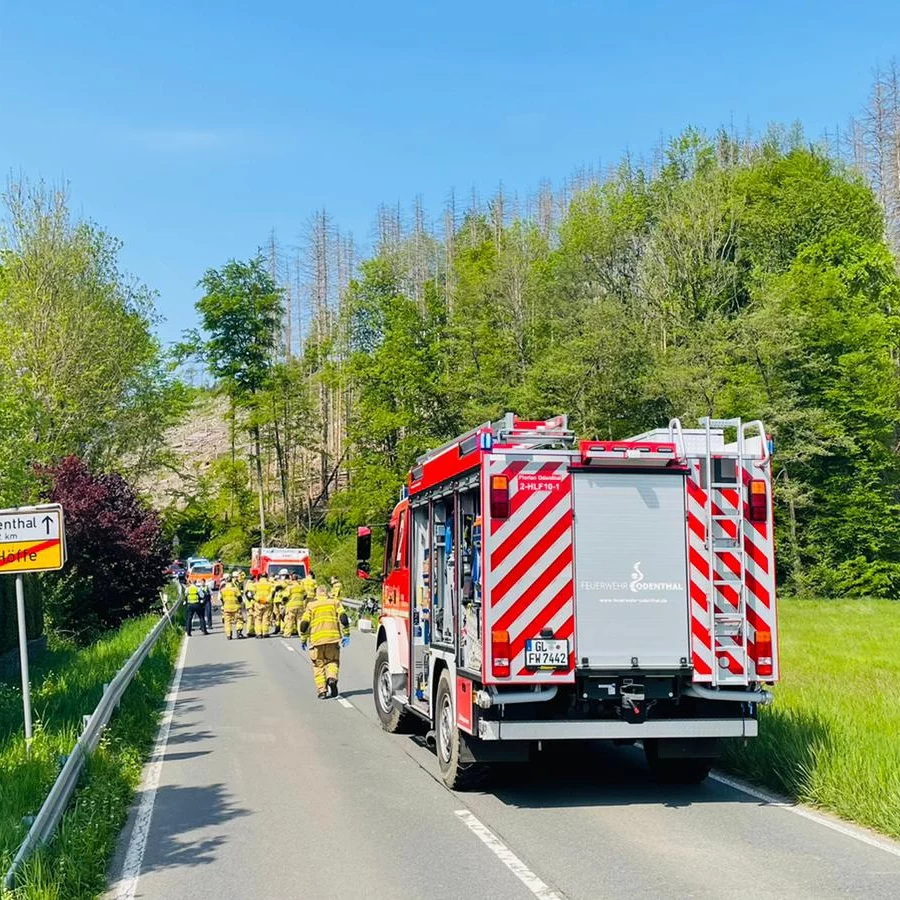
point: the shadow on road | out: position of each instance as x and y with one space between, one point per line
601 775
187 754
204 675
362 692
209 806
181 734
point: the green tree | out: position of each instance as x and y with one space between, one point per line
80 368
240 313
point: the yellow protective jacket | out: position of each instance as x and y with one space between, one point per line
279 592
337 591
231 598
193 594
309 585
324 622
296 595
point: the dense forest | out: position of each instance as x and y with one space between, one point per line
725 274
727 277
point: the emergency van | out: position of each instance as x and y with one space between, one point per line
538 589
269 561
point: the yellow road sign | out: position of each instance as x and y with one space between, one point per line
32 539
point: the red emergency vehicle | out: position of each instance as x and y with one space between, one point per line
269 561
537 589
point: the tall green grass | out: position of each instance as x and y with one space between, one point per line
832 737
67 684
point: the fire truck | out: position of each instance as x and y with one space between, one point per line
538 589
269 561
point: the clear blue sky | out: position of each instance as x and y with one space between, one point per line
191 129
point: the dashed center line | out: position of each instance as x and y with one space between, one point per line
345 703
508 858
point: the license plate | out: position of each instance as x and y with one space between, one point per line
541 653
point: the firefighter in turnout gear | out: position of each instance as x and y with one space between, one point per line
194 600
262 598
337 589
279 597
296 601
309 585
237 581
231 607
325 628
250 603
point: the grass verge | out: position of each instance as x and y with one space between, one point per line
67 683
831 737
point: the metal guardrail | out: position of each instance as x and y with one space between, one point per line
54 806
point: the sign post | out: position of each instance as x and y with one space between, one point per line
23 657
32 539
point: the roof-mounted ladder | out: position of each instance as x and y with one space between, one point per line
722 576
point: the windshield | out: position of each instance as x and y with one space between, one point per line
290 568
201 570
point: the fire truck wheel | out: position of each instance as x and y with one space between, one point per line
456 775
392 718
675 770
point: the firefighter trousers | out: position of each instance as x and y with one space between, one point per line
250 616
291 617
278 615
263 618
231 618
326 660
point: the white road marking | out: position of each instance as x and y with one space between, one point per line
287 646
126 886
345 703
857 833
508 858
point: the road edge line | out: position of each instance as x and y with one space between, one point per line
857 832
125 886
512 862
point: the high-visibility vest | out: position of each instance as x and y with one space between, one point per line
231 599
193 594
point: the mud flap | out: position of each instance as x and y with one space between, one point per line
471 750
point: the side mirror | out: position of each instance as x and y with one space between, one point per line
363 550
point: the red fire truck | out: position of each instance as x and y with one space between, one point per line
538 590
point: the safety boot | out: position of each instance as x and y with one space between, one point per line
332 687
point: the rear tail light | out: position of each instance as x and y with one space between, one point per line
500 654
759 501
764 665
499 496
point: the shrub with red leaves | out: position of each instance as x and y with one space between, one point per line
116 551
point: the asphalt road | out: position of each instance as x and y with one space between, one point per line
266 792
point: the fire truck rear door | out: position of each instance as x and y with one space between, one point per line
631 601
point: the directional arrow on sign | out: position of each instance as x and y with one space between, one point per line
47 523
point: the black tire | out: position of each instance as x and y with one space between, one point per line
675 770
448 741
392 718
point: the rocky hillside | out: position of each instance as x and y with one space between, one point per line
192 446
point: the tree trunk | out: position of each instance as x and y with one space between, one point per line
257 448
